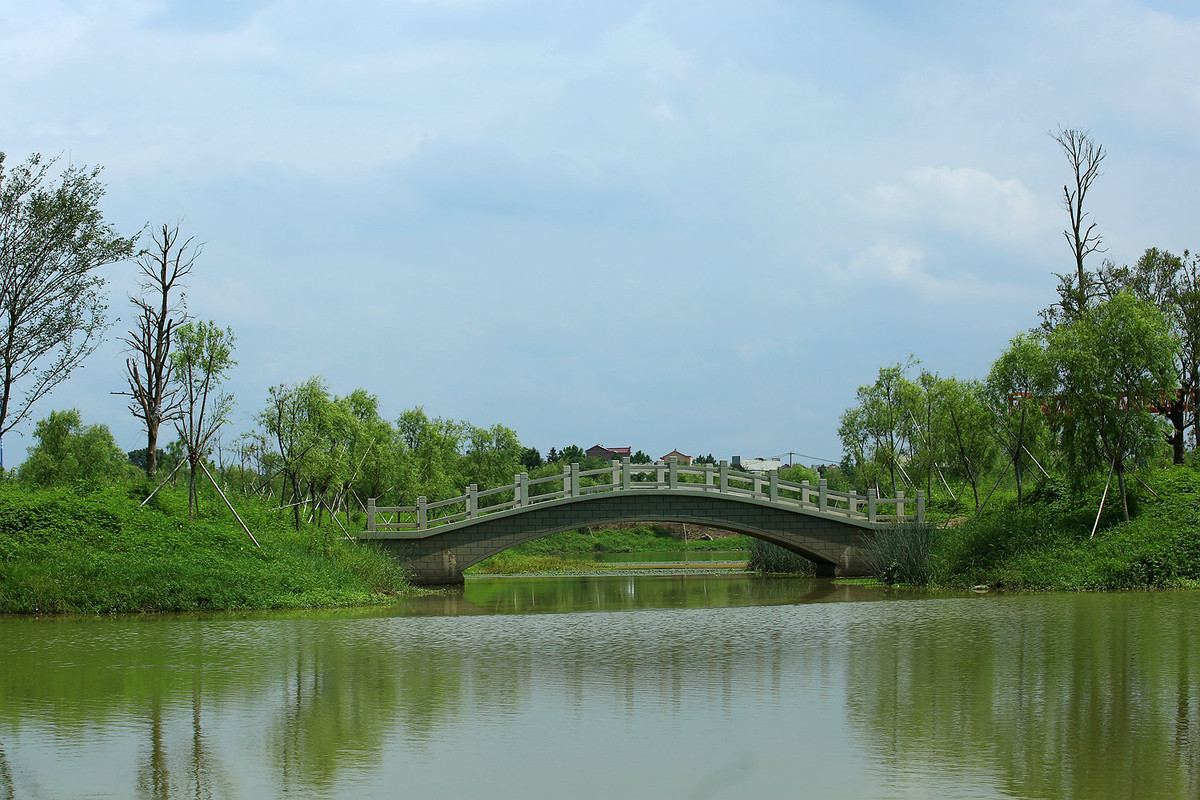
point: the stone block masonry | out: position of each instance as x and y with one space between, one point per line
440 555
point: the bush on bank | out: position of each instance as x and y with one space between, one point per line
1047 545
96 551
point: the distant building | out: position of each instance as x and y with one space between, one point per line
682 458
758 466
608 453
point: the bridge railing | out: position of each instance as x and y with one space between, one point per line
623 476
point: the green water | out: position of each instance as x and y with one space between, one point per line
724 686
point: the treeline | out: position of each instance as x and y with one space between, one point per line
1105 385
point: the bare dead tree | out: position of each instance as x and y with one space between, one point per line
159 312
1084 156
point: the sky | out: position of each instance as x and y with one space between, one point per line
670 225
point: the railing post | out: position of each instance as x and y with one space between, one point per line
872 504
660 474
472 501
921 505
774 485
616 473
371 514
521 491
899 505
673 468
422 514
724 476
823 495
804 493
626 478
566 479
710 475
852 504
574 480
758 484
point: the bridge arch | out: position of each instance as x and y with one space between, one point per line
440 558
439 540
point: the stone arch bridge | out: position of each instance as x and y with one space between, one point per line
437 541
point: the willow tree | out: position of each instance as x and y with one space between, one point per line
202 358
1110 367
53 240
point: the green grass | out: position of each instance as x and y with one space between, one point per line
1047 545
572 550
64 550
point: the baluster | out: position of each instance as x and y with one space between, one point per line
616 473
724 489
921 506
521 491
804 493
674 472
574 481
852 498
823 495
774 486
472 501
899 506
371 514
422 514
872 504
626 478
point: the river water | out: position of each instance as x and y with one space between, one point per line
675 686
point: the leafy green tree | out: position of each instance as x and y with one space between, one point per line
201 360
431 461
875 432
1110 366
572 453
69 452
1171 284
1016 391
640 458
530 458
972 429
292 419
53 239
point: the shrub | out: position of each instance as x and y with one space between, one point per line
902 554
767 557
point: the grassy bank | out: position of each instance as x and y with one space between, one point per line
65 550
574 550
1047 545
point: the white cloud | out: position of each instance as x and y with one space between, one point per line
964 200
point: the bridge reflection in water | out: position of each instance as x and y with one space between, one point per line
439 540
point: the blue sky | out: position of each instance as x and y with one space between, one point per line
689 225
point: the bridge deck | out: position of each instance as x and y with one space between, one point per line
624 478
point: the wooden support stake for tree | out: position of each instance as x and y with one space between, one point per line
994 486
1157 496
339 522
1102 499
164 483
231 508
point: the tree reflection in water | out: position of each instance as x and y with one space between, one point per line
1089 695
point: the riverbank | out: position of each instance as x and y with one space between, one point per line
1047 545
98 552
575 551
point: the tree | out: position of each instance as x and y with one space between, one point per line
67 451
1111 365
53 239
201 359
148 370
1016 391
1169 282
971 427
1084 156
